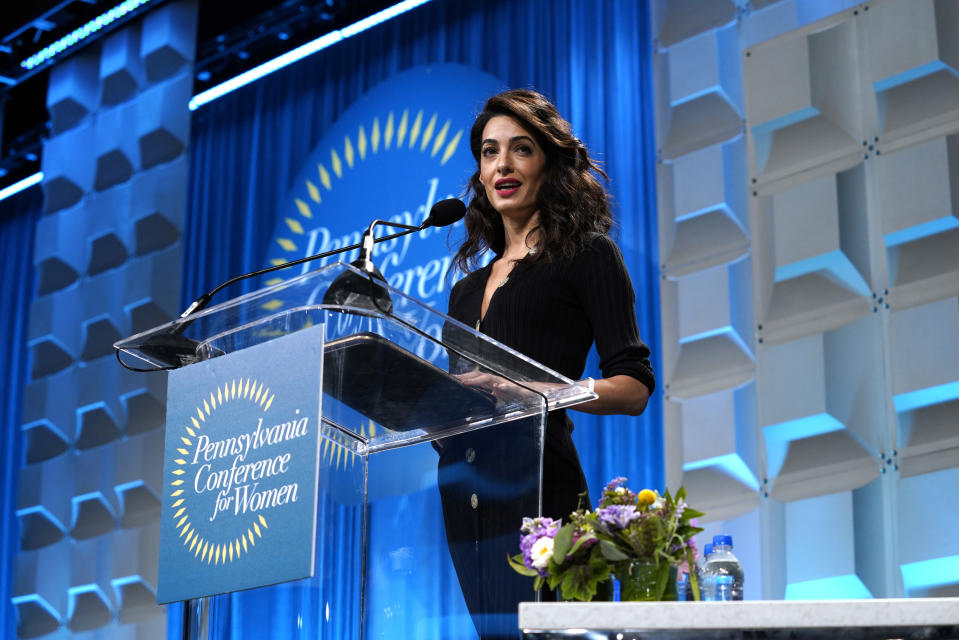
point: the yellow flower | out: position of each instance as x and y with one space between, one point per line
646 497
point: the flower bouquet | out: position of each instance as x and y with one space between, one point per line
639 538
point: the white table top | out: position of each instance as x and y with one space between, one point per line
753 614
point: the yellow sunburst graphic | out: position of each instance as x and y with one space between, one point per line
220 551
335 449
407 130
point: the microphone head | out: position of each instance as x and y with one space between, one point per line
445 212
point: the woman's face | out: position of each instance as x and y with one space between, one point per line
512 167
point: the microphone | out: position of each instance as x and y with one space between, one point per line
445 213
173 350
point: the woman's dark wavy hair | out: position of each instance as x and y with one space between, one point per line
572 200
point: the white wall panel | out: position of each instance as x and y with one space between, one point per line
928 559
801 100
912 58
815 570
703 91
704 195
924 344
677 20
918 188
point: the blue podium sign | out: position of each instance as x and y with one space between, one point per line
240 469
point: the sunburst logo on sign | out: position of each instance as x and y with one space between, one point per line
194 444
240 469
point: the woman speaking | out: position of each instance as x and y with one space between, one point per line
556 285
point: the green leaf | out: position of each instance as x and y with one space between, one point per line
554 579
562 542
611 551
691 513
583 498
662 577
579 581
692 574
516 562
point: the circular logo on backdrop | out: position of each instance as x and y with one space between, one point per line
393 154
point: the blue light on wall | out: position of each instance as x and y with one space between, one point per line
779 436
834 588
924 397
731 464
301 52
17 187
929 574
81 33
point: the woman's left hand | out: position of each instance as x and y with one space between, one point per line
622 395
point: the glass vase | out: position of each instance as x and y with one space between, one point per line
642 581
604 591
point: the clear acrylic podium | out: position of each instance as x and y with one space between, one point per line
421 416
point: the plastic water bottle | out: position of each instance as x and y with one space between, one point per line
722 573
700 574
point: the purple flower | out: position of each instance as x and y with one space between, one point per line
617 516
616 493
615 482
534 529
540 526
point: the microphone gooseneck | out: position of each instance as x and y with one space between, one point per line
365 260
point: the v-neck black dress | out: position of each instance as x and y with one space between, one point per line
552 312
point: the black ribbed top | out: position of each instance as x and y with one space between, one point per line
552 312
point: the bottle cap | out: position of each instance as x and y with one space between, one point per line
708 549
723 539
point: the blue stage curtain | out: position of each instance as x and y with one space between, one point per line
18 220
594 59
